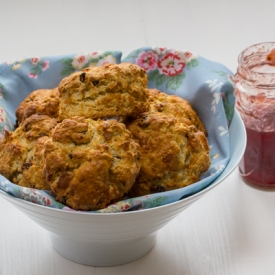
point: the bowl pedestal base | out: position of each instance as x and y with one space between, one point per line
103 254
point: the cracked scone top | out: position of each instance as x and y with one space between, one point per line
90 163
109 90
173 154
21 151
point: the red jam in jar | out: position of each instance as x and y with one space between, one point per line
255 101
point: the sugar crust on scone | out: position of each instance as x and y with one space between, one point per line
173 154
110 90
90 163
20 151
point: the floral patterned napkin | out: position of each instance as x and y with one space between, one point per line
207 85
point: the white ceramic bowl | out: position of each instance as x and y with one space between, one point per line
107 239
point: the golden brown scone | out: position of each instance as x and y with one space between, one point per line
20 151
173 154
175 106
90 163
109 90
43 101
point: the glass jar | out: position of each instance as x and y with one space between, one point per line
255 101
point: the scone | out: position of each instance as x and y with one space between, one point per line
173 154
20 151
175 106
110 90
90 163
43 101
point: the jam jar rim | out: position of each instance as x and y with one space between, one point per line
244 71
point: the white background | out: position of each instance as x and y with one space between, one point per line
231 229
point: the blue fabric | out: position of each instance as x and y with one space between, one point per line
207 85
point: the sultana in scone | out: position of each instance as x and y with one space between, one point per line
176 106
20 151
173 154
43 101
110 90
90 163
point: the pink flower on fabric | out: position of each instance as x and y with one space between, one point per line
147 60
35 60
94 54
32 75
107 59
46 201
16 65
45 65
188 54
80 60
160 50
125 207
171 65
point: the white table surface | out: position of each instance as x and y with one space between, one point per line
228 231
